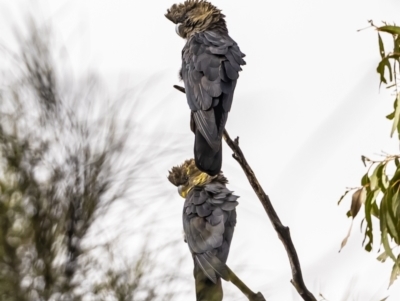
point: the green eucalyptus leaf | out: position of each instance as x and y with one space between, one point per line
389 67
395 180
390 116
382 66
388 208
395 273
375 210
368 246
381 47
383 180
396 43
374 178
396 116
383 209
384 230
390 29
394 201
371 197
381 70
383 256
396 208
386 245
398 129
392 230
365 180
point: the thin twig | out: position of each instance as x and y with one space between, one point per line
283 232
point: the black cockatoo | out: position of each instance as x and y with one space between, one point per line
209 218
211 62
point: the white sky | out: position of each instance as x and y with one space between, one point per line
306 107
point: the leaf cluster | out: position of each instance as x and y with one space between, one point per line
388 69
380 185
380 194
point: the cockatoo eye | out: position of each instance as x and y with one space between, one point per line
177 28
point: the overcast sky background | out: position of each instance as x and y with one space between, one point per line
306 107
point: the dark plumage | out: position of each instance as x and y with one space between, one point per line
211 62
209 218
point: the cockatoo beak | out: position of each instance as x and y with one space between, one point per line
177 28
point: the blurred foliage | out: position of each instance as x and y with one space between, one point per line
60 171
380 185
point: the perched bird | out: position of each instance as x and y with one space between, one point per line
211 62
209 218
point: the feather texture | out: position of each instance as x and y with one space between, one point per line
209 218
209 225
210 68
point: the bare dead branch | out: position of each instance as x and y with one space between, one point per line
283 231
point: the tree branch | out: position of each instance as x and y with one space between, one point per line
243 287
283 232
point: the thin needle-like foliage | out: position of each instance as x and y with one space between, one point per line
66 157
